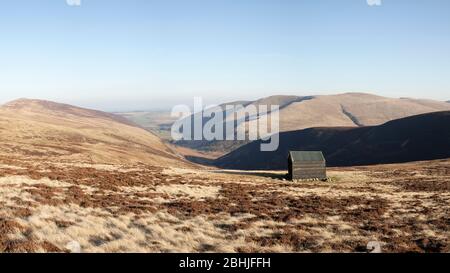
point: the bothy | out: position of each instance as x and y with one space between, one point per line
304 165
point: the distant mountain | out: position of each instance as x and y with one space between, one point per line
350 109
37 129
421 137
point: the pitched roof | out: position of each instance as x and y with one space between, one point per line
298 156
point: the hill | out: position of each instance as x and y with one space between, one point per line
421 137
49 130
349 109
55 197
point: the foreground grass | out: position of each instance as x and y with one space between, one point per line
56 207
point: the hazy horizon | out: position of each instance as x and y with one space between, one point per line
142 55
141 107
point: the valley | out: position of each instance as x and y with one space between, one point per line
224 127
299 113
78 180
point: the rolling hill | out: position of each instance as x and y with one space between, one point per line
349 109
421 137
49 130
58 195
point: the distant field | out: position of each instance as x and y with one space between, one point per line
158 122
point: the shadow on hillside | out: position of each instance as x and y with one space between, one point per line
210 162
265 174
200 160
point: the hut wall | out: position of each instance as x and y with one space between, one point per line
308 170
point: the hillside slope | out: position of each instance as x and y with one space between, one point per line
49 130
353 109
349 109
421 137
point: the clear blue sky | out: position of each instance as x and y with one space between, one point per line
137 54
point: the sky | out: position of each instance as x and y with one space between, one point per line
145 54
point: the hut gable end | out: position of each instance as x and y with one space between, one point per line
307 165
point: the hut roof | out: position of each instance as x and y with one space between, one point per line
306 156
